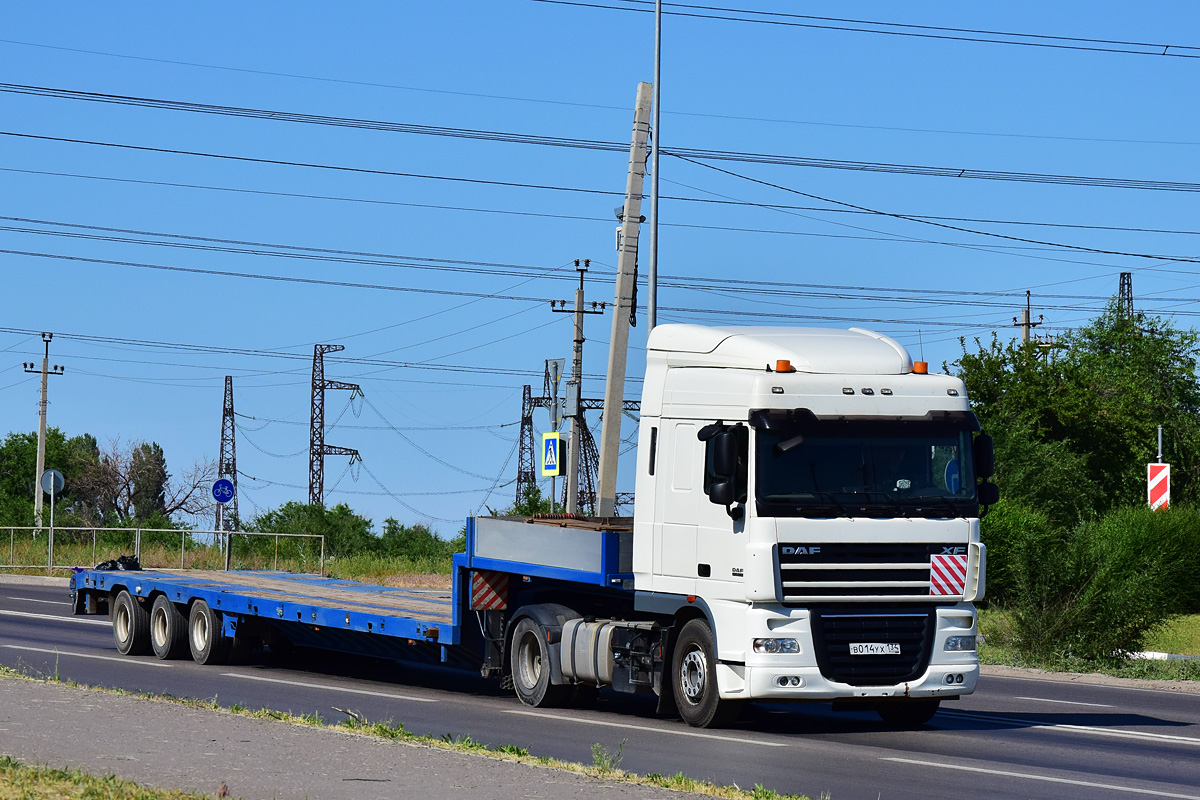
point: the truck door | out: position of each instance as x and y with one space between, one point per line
720 545
678 501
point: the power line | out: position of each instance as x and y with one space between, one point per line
584 218
973 35
696 153
574 104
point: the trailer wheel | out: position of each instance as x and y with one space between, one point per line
131 625
168 629
908 713
209 645
530 661
694 671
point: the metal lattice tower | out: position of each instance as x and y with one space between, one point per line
1125 295
227 513
317 449
526 474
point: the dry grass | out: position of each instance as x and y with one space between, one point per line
19 781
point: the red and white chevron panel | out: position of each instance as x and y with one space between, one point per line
1158 485
489 590
947 575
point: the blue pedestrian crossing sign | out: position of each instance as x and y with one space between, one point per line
552 455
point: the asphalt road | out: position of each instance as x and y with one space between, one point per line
1014 738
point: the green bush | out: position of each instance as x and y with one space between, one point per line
1005 528
1096 591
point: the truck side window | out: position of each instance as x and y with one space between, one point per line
653 447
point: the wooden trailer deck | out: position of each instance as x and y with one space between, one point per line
428 605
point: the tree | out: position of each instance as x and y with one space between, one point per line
1075 426
345 532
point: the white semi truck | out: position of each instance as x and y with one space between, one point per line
806 528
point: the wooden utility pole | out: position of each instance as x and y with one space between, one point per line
1026 324
627 245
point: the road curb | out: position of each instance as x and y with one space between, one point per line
1093 678
34 580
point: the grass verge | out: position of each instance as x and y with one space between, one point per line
605 761
1181 636
19 780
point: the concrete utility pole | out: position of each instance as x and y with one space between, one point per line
46 372
627 244
1026 324
574 397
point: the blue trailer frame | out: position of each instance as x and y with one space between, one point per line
590 557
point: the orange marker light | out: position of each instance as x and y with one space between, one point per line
784 365
921 367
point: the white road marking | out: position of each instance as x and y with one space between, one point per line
55 617
330 688
35 600
1067 702
696 734
1120 733
122 659
1046 778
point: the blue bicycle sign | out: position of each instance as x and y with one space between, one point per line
223 490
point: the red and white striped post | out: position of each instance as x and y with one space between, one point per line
1158 486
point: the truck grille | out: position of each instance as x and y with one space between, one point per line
842 569
835 629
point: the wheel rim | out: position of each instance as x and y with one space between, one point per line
693 673
121 622
529 661
158 626
200 632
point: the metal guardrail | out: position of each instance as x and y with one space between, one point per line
202 546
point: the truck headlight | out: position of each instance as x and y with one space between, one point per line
960 643
776 646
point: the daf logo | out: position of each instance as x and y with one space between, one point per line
800 551
953 551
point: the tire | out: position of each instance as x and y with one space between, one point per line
908 713
209 645
529 657
131 625
694 679
168 629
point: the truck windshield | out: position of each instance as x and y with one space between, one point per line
810 467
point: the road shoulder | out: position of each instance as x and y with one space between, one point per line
174 746
1093 678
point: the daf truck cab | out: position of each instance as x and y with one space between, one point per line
809 499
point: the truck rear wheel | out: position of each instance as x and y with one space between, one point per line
131 625
530 662
208 643
908 713
694 671
168 629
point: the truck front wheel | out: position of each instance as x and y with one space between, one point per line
131 625
530 662
208 643
694 671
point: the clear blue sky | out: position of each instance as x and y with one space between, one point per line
562 71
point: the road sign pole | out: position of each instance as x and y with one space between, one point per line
50 566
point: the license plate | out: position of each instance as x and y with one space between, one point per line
875 649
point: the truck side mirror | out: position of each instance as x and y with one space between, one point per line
985 456
989 493
725 454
